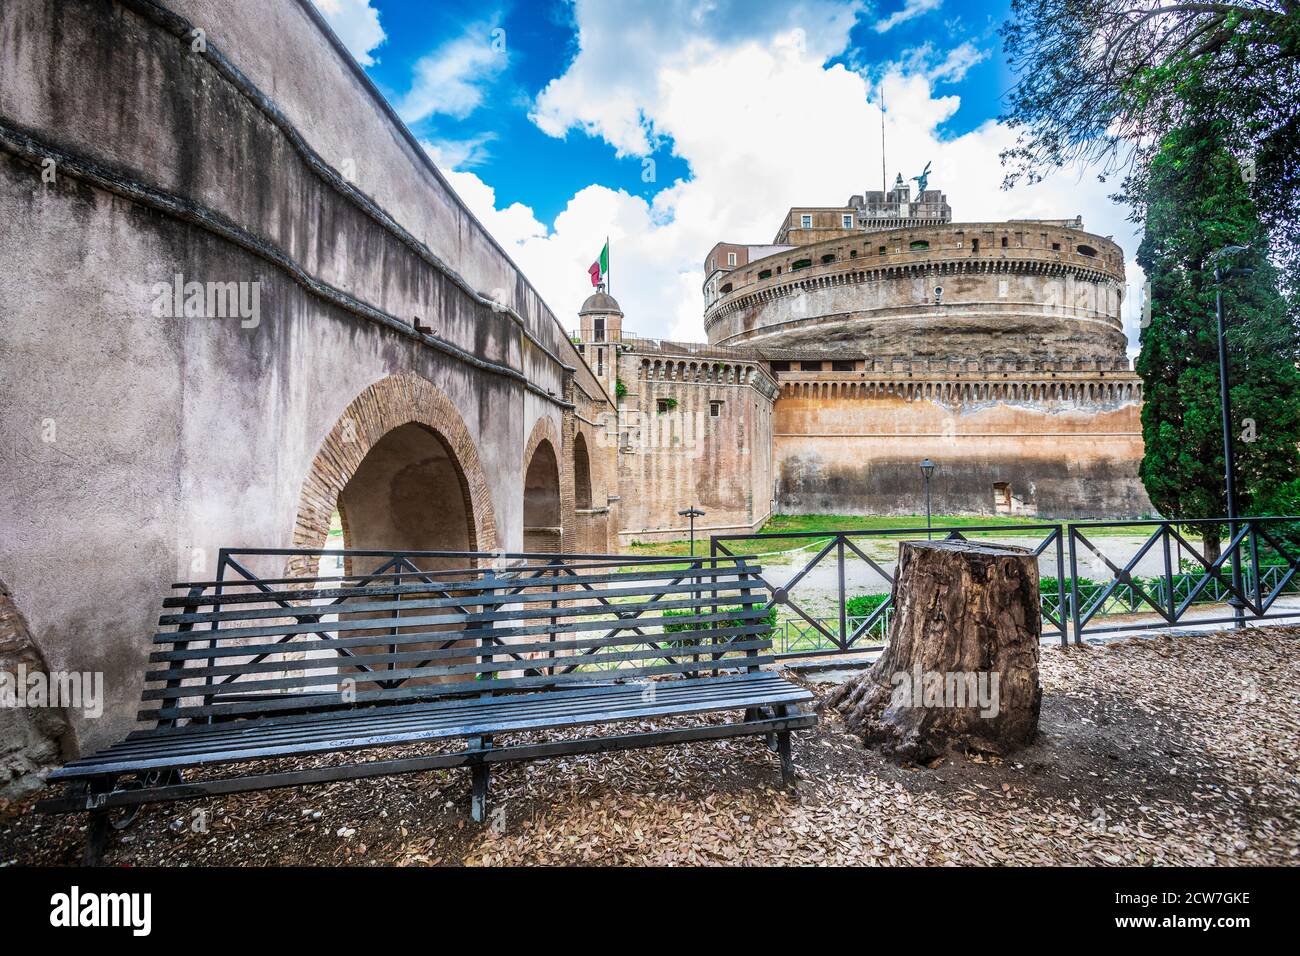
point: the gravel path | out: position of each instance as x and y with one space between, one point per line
1157 751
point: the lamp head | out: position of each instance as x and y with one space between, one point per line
927 467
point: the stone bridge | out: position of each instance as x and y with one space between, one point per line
238 298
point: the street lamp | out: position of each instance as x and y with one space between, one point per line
1225 411
692 513
927 469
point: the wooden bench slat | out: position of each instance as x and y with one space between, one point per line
715 652
426 691
514 651
309 643
495 599
485 584
472 573
570 692
321 726
507 716
438 620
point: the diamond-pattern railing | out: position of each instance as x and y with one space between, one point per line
1266 551
1258 562
806 633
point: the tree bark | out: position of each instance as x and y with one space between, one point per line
960 670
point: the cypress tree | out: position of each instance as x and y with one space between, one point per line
1198 201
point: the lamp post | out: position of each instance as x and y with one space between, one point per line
1225 411
927 469
692 513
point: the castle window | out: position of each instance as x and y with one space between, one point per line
600 361
1087 251
974 245
726 287
841 365
765 273
663 405
917 245
805 222
780 366
882 250
1056 247
731 258
599 334
846 221
829 257
800 264
715 409
853 253
810 366
1004 242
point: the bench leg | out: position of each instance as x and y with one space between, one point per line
479 774
97 831
787 762
98 827
783 749
478 801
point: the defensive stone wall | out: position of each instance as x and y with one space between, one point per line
1055 444
695 431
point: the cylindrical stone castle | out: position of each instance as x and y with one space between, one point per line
1016 291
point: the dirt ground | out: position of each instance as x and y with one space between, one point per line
1171 750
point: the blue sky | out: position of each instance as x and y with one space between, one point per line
671 124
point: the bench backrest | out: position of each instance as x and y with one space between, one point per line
243 646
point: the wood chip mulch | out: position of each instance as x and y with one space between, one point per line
1167 750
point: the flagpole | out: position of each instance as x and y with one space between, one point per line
609 288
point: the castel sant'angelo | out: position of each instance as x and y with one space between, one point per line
863 339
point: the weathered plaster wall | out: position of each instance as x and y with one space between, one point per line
859 452
135 445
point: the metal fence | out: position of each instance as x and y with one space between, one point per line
806 633
1097 577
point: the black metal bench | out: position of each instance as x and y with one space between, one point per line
248 669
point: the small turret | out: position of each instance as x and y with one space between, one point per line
600 329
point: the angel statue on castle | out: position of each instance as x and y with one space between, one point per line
922 180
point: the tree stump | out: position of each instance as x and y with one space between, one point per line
960 670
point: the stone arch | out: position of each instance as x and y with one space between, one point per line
581 472
383 408
543 512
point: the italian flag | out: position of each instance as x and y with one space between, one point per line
601 266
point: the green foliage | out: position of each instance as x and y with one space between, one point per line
1105 81
667 405
620 390
1197 203
864 605
769 619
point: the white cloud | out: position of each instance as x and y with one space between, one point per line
764 124
461 153
356 23
911 9
511 226
956 64
452 79
610 88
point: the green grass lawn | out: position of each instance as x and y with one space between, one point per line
796 524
